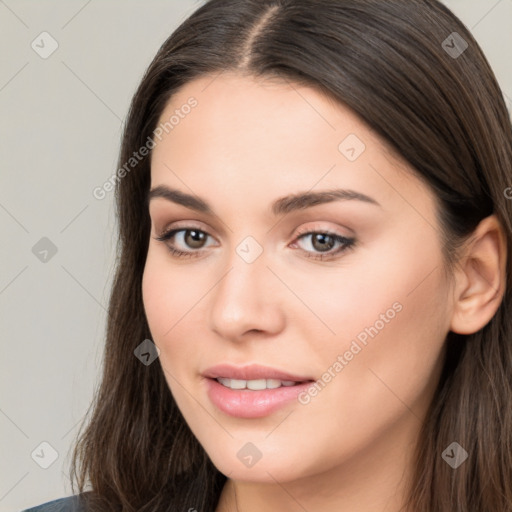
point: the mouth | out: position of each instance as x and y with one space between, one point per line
252 391
257 384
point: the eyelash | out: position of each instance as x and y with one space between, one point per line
347 243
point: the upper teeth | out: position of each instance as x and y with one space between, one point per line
256 384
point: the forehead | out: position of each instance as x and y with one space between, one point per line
236 109
261 138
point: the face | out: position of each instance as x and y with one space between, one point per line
346 294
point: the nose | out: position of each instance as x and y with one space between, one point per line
247 299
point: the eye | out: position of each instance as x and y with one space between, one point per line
324 241
192 237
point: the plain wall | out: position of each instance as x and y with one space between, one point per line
60 127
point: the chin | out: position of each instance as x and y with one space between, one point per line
263 471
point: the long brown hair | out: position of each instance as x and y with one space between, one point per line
439 106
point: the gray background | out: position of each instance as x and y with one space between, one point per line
60 129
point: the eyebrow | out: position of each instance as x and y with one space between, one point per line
281 206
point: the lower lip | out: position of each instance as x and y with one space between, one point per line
246 403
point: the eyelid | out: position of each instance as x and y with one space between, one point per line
301 231
179 225
322 229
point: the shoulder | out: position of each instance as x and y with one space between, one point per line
69 504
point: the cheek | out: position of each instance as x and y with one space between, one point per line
172 299
172 296
369 285
391 316
158 302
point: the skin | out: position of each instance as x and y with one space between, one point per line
247 143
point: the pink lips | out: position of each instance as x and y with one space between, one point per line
246 403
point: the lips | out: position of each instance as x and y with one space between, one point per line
254 402
252 372
248 404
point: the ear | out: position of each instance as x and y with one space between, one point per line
480 277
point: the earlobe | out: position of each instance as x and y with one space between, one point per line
480 280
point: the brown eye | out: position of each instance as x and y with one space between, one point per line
184 241
189 242
322 241
194 238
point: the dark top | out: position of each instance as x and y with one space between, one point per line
69 504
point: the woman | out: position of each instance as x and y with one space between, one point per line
244 368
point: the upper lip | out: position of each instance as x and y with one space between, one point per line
251 372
